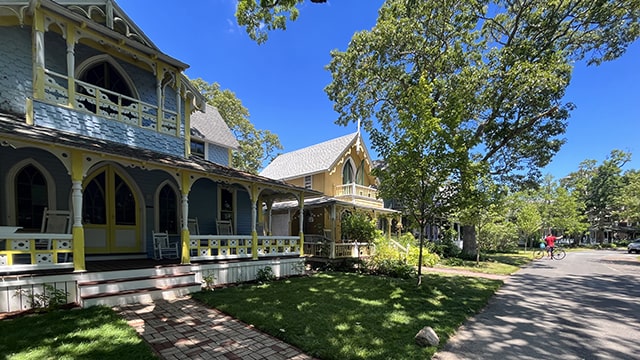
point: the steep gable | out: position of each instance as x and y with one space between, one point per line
310 160
209 126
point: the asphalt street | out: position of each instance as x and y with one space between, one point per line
586 306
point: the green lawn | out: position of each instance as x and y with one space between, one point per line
94 333
499 263
350 316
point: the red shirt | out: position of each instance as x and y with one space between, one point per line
550 240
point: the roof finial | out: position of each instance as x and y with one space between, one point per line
358 125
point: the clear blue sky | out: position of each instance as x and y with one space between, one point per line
282 82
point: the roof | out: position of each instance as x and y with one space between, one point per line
211 127
14 128
310 160
323 201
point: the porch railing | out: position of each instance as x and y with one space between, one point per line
337 251
354 189
216 247
28 251
109 104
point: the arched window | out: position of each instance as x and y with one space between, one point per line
168 209
94 206
347 172
101 72
31 197
125 202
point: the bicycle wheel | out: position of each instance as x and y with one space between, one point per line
559 254
539 253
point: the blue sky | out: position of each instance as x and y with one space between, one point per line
282 82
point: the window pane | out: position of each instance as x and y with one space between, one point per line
31 197
125 203
168 210
93 201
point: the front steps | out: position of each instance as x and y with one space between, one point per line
112 288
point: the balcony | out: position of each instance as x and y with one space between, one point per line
108 104
359 194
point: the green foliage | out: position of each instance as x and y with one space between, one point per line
265 275
208 280
357 226
390 267
49 299
428 258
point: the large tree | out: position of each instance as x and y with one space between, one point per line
256 146
494 71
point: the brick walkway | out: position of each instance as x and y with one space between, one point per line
185 329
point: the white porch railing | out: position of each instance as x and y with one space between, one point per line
336 251
217 247
354 189
109 104
29 251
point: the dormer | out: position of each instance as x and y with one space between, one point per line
211 138
84 67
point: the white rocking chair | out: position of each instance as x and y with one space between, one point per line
163 248
54 222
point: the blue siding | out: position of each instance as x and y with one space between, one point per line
218 154
15 69
243 213
203 204
90 125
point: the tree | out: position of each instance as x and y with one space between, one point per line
526 215
260 17
494 71
628 200
256 146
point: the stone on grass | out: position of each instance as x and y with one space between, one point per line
427 337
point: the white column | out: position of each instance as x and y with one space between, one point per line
185 211
76 196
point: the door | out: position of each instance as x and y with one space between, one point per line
110 214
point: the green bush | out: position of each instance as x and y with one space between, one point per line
428 258
265 275
357 226
390 267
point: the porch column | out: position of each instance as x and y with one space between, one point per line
77 232
389 221
159 115
301 224
185 257
269 208
71 66
38 56
254 217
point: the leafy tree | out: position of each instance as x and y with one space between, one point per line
256 146
628 200
493 73
525 215
260 17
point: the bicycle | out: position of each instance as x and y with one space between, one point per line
557 254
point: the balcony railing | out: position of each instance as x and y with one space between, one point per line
109 104
28 251
337 251
217 247
355 191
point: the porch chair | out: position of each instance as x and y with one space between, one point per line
54 222
260 229
163 247
224 227
194 228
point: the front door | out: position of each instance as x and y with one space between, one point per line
110 214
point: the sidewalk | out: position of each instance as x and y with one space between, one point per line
185 329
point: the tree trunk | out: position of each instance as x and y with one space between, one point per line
469 242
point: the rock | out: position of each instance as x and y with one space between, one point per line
427 337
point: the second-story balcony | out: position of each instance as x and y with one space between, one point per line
109 104
358 194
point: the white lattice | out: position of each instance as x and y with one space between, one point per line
20 245
64 245
204 252
46 258
3 260
193 244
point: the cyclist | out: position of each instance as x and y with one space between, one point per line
550 240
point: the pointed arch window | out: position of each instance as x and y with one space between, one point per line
31 197
104 75
94 205
168 209
347 172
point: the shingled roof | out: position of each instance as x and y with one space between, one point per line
210 126
14 127
310 160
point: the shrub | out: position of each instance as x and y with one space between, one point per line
50 298
265 275
358 227
428 258
390 267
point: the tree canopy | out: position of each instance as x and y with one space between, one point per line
491 74
256 146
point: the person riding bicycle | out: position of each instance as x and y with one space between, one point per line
550 240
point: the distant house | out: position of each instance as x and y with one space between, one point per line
340 169
103 135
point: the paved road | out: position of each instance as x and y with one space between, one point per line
586 306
